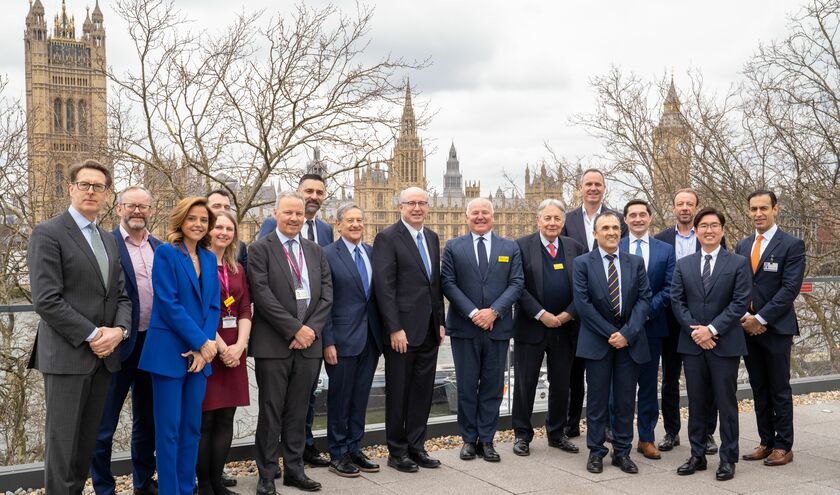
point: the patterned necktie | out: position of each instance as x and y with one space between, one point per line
301 303
707 272
360 265
552 250
310 234
99 252
613 287
425 257
482 257
756 252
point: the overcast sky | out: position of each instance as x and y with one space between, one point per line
506 76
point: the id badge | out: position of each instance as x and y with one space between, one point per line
771 267
229 322
301 293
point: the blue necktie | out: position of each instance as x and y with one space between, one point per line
482 256
425 257
639 248
360 265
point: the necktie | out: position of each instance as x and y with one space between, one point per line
99 252
360 265
301 303
482 256
639 250
613 287
425 257
311 230
552 250
756 252
707 273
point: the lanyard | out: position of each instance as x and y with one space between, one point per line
224 280
295 270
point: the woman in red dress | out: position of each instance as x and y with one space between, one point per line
227 387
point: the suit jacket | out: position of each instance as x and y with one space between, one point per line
185 312
593 304
354 315
723 305
130 289
528 329
70 297
272 285
407 298
242 256
576 229
325 230
773 292
669 236
467 290
660 271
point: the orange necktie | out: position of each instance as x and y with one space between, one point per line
756 253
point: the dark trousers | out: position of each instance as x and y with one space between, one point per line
284 385
409 385
648 403
142 425
768 364
74 405
709 374
310 412
347 399
615 374
527 361
576 388
672 363
480 378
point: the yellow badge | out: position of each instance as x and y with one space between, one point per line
558 266
504 259
230 300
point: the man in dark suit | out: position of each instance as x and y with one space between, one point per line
709 295
78 290
684 242
659 265
546 325
579 226
778 266
218 200
481 276
612 297
136 247
352 343
292 292
407 280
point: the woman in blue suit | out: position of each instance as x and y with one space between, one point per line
180 342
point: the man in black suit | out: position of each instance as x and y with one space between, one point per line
778 266
709 295
579 226
545 325
406 275
78 290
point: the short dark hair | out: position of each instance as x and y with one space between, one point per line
306 177
605 213
637 202
709 211
220 192
763 192
74 170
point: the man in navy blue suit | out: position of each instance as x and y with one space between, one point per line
709 295
481 276
612 297
778 266
352 343
136 247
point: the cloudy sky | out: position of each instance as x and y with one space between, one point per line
506 76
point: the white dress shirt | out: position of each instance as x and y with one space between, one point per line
414 232
352 248
589 226
684 244
645 247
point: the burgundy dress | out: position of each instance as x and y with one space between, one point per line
228 387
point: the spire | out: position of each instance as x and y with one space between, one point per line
452 152
408 124
87 24
64 25
672 100
407 103
452 179
97 13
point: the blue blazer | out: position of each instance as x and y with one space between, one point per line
184 314
594 309
723 306
576 229
773 292
352 312
325 230
131 289
467 290
660 270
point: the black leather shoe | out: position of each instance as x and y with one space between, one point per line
151 489
691 465
228 480
725 471
625 464
488 452
608 435
265 486
313 457
521 448
669 442
304 483
361 461
572 431
711 446
404 464
564 444
467 451
344 467
423 460
595 464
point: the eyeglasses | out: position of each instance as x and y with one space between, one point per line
415 204
709 226
133 206
85 186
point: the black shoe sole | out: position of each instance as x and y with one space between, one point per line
412 469
344 475
366 469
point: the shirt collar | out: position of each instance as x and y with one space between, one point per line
80 219
485 236
127 237
768 236
352 247
713 253
597 212
604 253
645 238
411 229
691 233
285 239
545 242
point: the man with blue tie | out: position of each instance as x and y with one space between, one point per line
352 343
709 295
612 297
778 266
481 276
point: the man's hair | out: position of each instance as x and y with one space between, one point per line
605 213
551 202
133 188
633 202
289 194
174 235
220 192
404 191
345 208
74 170
709 211
475 200
764 192
589 170
306 177
689 191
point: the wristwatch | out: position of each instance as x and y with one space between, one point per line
125 333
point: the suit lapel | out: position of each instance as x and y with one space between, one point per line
411 245
495 249
535 254
598 264
187 266
311 260
76 234
350 264
125 259
466 246
771 246
628 281
277 252
720 264
569 256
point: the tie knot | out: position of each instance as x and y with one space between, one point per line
610 257
481 238
639 242
419 236
758 238
357 251
290 243
708 257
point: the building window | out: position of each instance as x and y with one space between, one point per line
57 114
71 116
83 117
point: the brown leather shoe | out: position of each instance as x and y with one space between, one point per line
758 454
648 449
779 457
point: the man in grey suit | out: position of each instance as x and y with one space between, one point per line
291 287
78 291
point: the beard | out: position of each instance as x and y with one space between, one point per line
136 223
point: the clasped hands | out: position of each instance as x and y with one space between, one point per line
229 354
752 326
203 356
303 338
106 341
703 337
555 321
484 318
618 341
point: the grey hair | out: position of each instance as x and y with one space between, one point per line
551 202
347 207
133 188
289 194
411 189
475 200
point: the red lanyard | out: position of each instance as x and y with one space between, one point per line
224 280
295 270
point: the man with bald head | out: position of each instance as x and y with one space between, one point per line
407 279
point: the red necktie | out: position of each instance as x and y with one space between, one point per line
552 250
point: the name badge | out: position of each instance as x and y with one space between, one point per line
229 322
301 293
504 259
230 300
558 266
771 267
